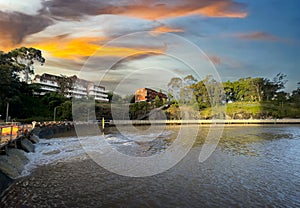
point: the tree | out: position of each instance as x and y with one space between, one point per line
279 81
65 84
208 92
12 65
114 98
53 99
229 91
25 58
201 94
296 95
271 88
157 102
257 85
129 99
189 80
65 110
174 87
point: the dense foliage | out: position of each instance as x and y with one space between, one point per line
245 98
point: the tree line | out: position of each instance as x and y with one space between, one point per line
21 100
242 90
262 93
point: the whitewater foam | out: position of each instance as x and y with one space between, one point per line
53 151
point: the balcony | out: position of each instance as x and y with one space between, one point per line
101 99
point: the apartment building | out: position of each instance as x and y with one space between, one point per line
148 95
79 88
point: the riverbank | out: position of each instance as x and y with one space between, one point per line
205 122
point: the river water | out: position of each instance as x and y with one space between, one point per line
252 166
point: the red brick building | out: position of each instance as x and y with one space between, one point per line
148 95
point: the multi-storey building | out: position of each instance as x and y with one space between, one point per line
148 95
78 88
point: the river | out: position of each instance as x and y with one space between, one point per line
252 166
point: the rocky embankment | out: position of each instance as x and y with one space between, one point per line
14 160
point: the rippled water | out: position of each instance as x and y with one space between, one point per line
253 166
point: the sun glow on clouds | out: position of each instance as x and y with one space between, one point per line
220 9
152 10
69 48
167 29
74 31
82 47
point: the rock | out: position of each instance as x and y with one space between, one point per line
17 159
5 181
7 168
46 132
36 130
20 153
54 152
27 145
13 163
16 162
34 139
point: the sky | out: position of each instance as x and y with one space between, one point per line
127 44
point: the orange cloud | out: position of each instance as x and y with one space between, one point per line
82 47
167 29
61 47
150 9
219 8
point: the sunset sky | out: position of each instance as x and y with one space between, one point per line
242 38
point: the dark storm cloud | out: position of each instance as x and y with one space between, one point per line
72 9
15 26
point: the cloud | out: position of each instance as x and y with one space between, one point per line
67 47
225 8
215 59
167 29
225 61
63 63
258 36
151 10
72 10
15 26
108 18
29 7
123 63
80 48
169 9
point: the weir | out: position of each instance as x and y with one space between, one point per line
11 133
16 140
204 122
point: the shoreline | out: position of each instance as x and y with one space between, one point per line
205 122
14 160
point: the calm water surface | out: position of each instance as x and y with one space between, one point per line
253 166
